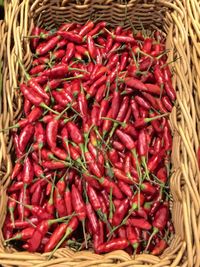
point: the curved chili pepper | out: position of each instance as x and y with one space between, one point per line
114 244
120 212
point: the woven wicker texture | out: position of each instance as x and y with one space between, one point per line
179 21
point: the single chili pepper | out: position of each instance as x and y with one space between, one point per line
167 138
100 94
47 46
27 106
120 175
118 146
53 165
16 170
74 133
135 109
162 174
25 136
83 105
159 247
109 43
120 212
123 60
91 162
19 224
78 204
140 223
113 60
142 102
60 234
36 196
25 199
97 28
135 84
59 203
125 139
72 37
37 69
132 236
51 132
40 60
159 222
15 187
114 244
35 41
95 114
91 216
28 172
154 160
70 51
98 238
167 103
23 235
113 155
68 201
161 107
159 75
35 114
93 197
125 189
94 87
60 153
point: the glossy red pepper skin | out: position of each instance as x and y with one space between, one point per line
114 244
120 212
78 203
140 223
51 133
25 136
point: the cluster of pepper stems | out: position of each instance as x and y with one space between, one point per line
93 147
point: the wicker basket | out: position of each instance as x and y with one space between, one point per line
179 21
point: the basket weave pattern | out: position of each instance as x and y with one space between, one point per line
180 22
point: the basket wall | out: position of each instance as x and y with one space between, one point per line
179 21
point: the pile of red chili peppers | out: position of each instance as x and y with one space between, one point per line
93 147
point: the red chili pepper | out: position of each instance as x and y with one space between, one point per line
120 175
78 203
135 109
167 103
16 170
59 203
75 133
95 114
36 196
117 145
27 106
98 238
135 84
142 102
92 164
107 184
120 212
159 247
25 136
19 224
125 139
154 161
51 132
83 105
125 189
132 236
72 37
60 234
70 51
92 217
114 244
68 201
97 28
28 172
94 87
25 199
53 165
23 235
140 223
48 46
34 41
37 69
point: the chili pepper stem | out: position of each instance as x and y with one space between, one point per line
43 105
11 210
145 167
155 231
